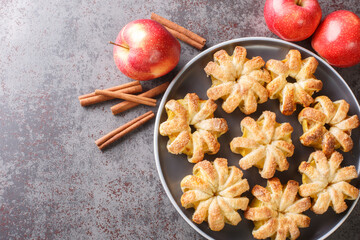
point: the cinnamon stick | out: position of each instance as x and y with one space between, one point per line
126 85
128 97
185 38
92 99
181 30
123 130
123 106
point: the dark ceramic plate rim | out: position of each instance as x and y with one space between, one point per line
177 77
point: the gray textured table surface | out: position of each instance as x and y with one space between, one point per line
54 182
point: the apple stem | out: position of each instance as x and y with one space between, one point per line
118 45
299 2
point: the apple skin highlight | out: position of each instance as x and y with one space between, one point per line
149 51
337 39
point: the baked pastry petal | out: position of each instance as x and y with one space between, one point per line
290 94
335 115
265 144
214 190
237 80
327 183
277 211
189 111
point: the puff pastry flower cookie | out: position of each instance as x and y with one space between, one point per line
214 191
327 183
335 115
277 210
264 144
299 92
237 80
191 111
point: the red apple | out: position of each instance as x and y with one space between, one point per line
148 50
292 20
337 39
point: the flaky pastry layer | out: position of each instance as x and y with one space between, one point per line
237 80
264 144
191 111
277 210
335 115
327 183
292 93
214 190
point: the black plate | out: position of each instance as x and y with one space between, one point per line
192 78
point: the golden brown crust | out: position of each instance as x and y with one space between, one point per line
291 94
177 124
214 190
277 211
288 103
179 143
264 144
327 183
261 193
260 213
192 111
335 115
237 80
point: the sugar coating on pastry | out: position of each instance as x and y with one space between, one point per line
277 210
299 92
237 80
214 192
200 114
327 183
335 115
264 144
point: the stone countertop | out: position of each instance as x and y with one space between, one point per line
54 182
